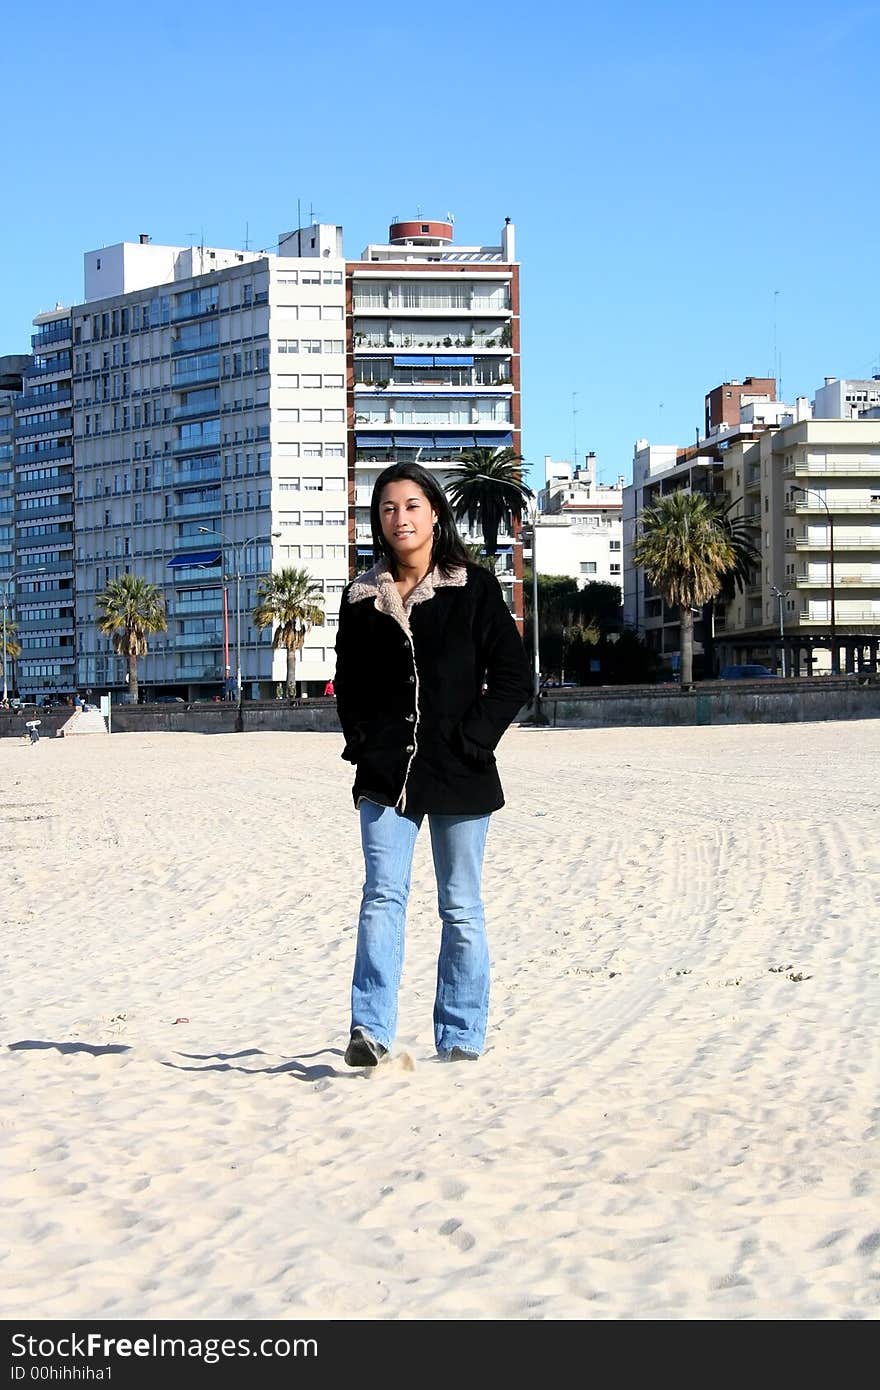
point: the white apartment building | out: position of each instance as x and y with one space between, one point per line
210 436
580 523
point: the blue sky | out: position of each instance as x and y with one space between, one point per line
694 186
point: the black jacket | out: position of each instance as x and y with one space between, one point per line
409 681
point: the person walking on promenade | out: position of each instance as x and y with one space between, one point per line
430 671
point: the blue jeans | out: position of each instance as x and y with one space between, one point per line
461 1005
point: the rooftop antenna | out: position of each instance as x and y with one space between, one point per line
574 431
775 372
247 236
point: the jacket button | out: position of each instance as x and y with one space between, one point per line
410 719
410 748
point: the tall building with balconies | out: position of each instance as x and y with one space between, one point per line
210 439
435 338
44 513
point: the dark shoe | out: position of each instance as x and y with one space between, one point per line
460 1054
362 1050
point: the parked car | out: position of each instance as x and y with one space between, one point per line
170 700
559 685
749 672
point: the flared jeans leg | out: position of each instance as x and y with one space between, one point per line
461 1006
388 839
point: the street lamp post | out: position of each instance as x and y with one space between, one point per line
780 595
795 487
237 552
10 579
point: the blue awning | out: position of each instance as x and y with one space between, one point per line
413 361
453 361
195 557
497 441
375 441
454 441
414 441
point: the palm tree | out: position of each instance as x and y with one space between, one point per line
488 489
294 600
130 611
747 557
13 649
685 552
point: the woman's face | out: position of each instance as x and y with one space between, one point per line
407 518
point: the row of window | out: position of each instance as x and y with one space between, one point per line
312 313
309 277
310 345
312 518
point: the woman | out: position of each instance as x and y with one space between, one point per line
430 671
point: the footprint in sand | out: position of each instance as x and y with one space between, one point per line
460 1238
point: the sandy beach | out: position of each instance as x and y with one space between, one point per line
677 1114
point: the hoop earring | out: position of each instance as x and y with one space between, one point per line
437 530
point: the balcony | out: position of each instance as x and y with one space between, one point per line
196 541
183 311
853 468
63 624
205 641
181 347
58 364
27 482
44 456
844 613
35 515
67 653
31 401
837 505
44 596
195 445
209 406
207 671
209 474
842 541
210 508
841 581
52 540
428 308
207 607
63 426
199 574
182 380
51 333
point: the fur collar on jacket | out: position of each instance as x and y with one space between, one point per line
378 584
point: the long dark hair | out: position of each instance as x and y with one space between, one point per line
448 551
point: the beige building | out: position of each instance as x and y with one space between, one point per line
809 490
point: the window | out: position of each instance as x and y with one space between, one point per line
288 415
288 518
334 417
588 567
288 344
310 277
333 380
332 311
337 552
334 345
288 484
332 277
312 518
311 417
615 569
310 312
310 382
334 451
614 545
312 345
311 450
312 484
334 484
315 552
334 518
